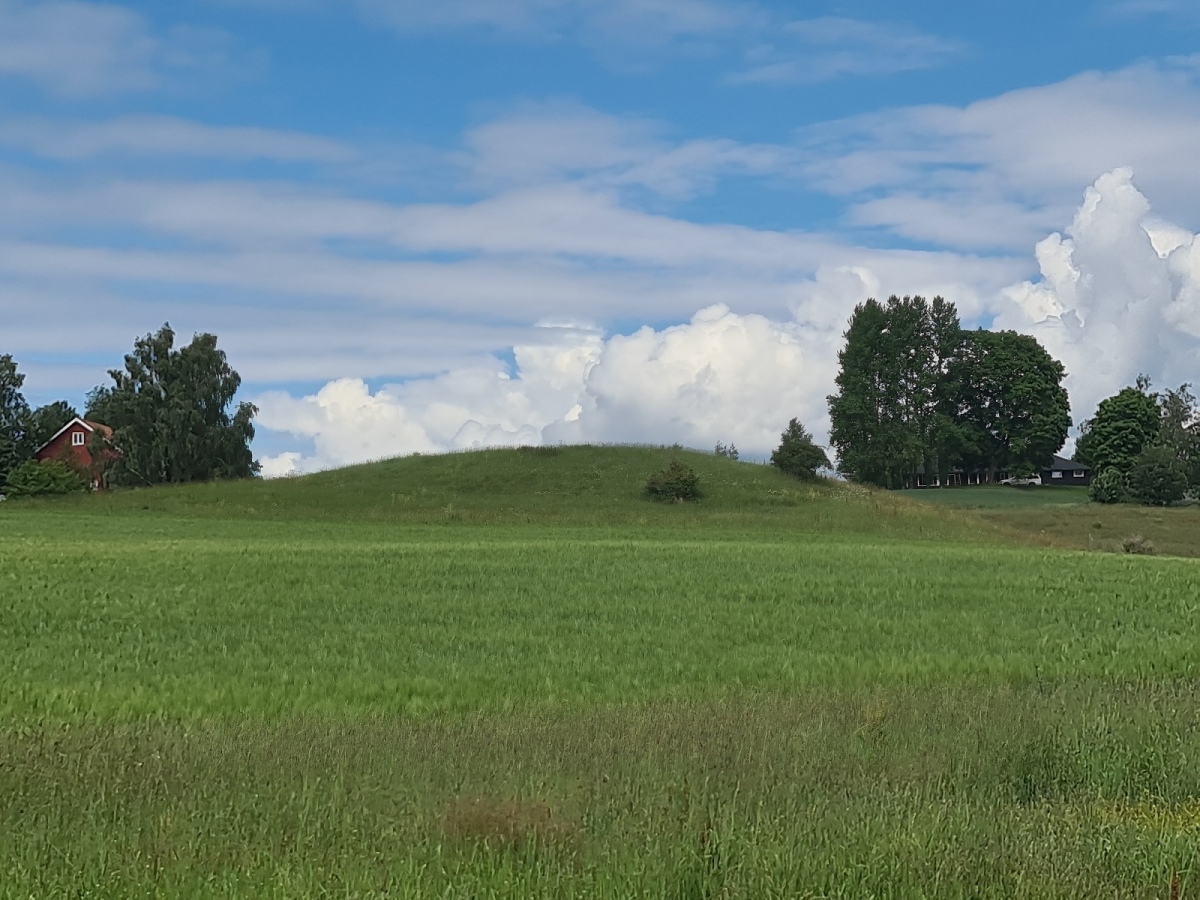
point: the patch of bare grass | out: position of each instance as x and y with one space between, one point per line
511 825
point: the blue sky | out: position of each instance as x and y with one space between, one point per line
421 226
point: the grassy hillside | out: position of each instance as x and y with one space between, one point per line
584 486
602 486
509 674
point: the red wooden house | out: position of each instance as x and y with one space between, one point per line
73 445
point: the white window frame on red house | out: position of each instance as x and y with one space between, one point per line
78 439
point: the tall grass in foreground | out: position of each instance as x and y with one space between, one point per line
1085 790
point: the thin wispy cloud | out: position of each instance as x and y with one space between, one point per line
552 142
997 172
813 50
759 42
84 50
643 20
139 136
374 288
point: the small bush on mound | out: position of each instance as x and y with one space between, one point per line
677 483
1157 477
1109 487
37 479
1138 545
797 455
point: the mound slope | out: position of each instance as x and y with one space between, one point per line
579 485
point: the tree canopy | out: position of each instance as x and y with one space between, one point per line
1010 404
172 413
891 412
916 392
1123 425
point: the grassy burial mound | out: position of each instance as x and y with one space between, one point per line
538 485
511 674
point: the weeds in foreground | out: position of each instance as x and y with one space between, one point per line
1138 545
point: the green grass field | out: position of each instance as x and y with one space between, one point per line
1063 517
997 496
507 674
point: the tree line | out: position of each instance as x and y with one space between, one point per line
919 394
171 410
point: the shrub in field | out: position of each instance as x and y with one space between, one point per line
727 452
677 483
797 455
1157 477
36 479
1138 545
1109 487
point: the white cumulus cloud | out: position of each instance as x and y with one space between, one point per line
721 376
1119 295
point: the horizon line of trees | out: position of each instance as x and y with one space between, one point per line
171 410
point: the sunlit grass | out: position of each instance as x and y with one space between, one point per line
208 621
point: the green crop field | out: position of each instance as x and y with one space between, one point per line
508 674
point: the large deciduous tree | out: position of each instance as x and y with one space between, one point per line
1123 426
1010 402
170 411
14 418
